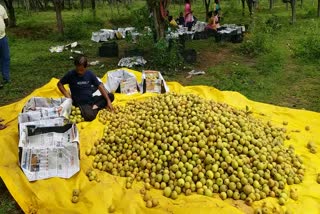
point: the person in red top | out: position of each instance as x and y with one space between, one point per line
213 21
188 17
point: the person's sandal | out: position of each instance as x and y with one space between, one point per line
2 126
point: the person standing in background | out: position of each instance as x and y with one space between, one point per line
4 47
188 17
217 8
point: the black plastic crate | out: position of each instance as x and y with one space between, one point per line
200 35
109 49
238 38
133 52
189 56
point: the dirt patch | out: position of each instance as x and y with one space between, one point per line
32 33
207 59
212 58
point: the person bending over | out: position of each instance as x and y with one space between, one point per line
83 83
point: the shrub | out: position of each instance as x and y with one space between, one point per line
271 62
256 45
76 28
311 13
234 77
273 24
308 47
140 18
163 57
121 21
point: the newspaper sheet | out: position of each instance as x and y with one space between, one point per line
50 151
39 108
50 162
23 131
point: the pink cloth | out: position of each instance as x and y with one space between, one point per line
216 20
187 13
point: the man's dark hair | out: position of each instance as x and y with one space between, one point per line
187 1
81 60
169 18
209 14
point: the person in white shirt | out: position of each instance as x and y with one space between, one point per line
4 47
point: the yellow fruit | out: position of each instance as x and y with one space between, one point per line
76 192
111 209
149 204
75 199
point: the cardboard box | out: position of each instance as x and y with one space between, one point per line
122 81
152 81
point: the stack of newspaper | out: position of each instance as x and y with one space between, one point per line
48 143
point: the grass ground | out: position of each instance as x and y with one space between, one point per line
270 73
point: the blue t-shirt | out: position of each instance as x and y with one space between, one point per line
81 87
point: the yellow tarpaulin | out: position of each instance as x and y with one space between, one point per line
54 195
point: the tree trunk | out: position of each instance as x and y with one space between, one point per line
46 4
12 15
69 5
158 9
319 8
301 3
250 6
117 4
158 23
243 6
58 7
293 11
93 7
270 4
27 5
207 5
82 4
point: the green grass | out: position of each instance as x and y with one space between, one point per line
7 203
275 76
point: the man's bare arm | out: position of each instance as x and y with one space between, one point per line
63 90
104 93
